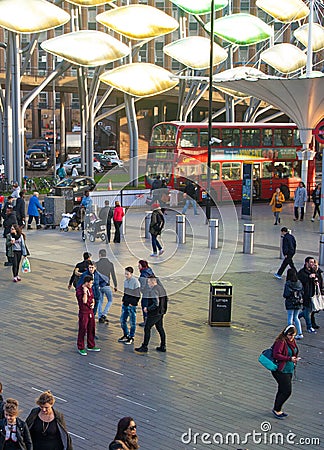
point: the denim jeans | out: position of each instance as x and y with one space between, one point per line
155 244
292 319
306 312
128 311
186 206
105 290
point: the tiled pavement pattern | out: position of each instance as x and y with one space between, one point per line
208 381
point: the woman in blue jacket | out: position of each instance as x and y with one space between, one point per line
34 207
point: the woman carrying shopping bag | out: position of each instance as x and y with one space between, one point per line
276 202
16 249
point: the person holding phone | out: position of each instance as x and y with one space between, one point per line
285 352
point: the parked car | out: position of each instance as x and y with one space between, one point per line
114 158
43 142
73 188
44 147
49 136
37 160
105 162
76 161
30 151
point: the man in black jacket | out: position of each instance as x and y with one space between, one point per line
190 195
156 308
106 214
20 209
288 250
308 277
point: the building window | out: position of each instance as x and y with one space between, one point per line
159 55
142 54
75 101
245 5
43 100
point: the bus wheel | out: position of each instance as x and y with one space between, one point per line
286 191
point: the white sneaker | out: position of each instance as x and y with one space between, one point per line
312 219
279 277
311 330
153 254
161 251
299 336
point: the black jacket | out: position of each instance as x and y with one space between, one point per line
20 208
191 190
22 432
293 294
66 438
9 220
106 214
288 245
308 286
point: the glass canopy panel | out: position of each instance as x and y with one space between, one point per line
241 29
237 73
32 16
86 48
140 79
194 52
138 21
286 58
284 11
301 34
199 7
89 2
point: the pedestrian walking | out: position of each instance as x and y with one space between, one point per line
118 219
16 249
15 191
300 198
79 269
47 425
106 269
293 294
190 196
20 209
106 214
288 250
61 172
309 279
145 272
14 432
276 202
74 172
156 308
126 437
156 227
285 352
130 301
34 207
319 274
87 324
85 210
156 189
316 197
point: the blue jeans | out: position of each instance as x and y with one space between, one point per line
292 319
155 244
306 313
105 290
128 311
186 206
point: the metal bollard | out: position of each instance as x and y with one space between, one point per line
213 233
321 250
148 215
248 238
123 225
181 228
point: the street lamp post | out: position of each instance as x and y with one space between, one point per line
210 107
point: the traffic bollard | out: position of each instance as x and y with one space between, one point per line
181 228
248 238
213 233
148 215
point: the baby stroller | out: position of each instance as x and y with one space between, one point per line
65 221
75 221
95 228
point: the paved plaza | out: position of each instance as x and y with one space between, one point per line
209 381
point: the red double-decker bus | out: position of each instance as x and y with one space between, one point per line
179 150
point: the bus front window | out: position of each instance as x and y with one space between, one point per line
163 135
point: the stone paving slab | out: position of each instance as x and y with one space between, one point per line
209 381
